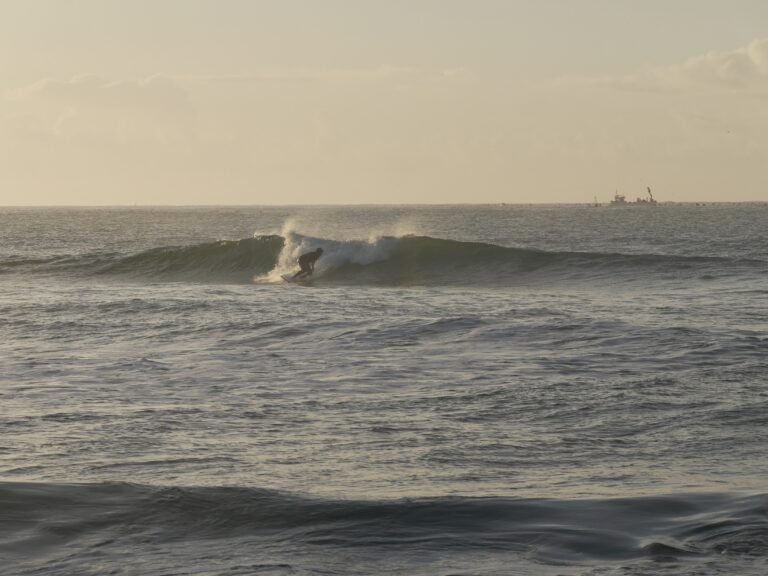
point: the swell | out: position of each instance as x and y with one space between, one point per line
223 261
36 516
407 260
417 260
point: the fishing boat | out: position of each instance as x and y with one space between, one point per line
621 200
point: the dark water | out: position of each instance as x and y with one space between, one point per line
73 529
458 390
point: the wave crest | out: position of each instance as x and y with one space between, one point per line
382 261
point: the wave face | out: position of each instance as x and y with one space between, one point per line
223 261
385 261
422 260
234 261
104 525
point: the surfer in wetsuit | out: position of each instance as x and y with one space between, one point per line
307 263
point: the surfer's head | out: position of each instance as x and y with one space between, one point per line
319 251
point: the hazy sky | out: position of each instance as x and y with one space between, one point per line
340 101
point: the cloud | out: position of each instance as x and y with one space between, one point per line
387 134
305 132
382 73
744 69
154 91
153 109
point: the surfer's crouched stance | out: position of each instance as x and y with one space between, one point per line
307 263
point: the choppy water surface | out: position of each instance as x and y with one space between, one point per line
459 390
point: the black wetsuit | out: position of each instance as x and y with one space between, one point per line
307 263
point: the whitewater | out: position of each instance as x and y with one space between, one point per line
532 390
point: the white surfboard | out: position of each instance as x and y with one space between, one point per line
292 280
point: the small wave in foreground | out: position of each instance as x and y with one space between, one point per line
84 525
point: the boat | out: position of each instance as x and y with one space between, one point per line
618 200
621 200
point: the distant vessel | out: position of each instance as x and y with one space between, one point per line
618 199
621 200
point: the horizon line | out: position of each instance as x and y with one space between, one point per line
590 204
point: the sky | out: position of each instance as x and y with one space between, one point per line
123 102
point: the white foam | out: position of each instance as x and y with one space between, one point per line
336 253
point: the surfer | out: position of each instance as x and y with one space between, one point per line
307 263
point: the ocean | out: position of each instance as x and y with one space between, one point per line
458 390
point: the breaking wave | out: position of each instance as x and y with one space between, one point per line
385 261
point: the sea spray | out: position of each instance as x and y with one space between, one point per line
336 254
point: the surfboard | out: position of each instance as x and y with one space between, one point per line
289 278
